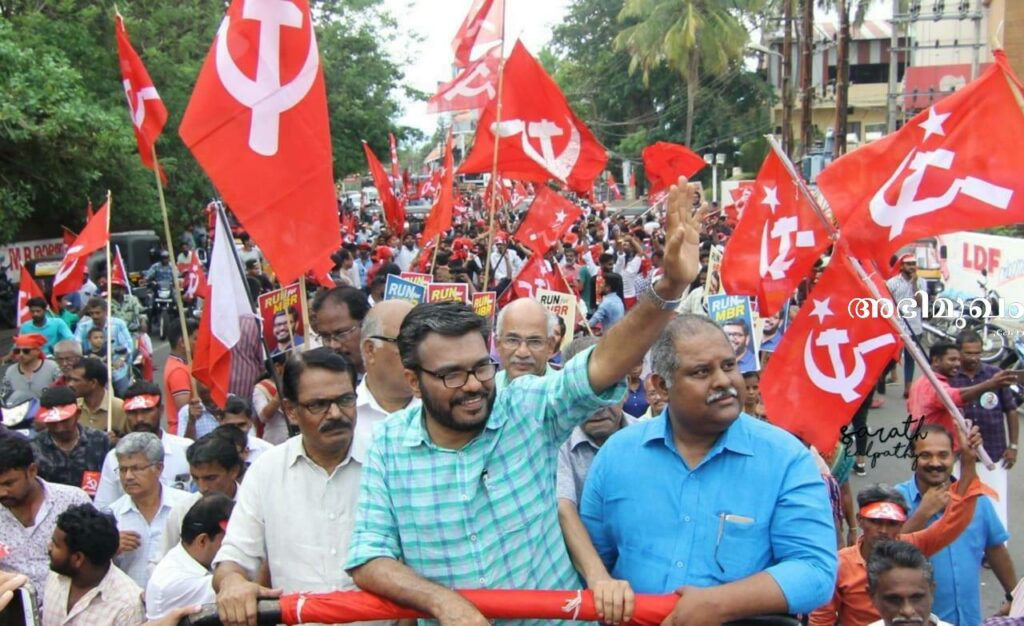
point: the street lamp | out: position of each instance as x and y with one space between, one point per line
714 160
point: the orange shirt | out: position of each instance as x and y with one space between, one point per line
924 403
851 605
177 379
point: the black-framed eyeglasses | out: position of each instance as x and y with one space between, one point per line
338 335
455 379
320 406
385 339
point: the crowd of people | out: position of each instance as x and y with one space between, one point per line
411 451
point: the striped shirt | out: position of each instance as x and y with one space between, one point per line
901 289
484 516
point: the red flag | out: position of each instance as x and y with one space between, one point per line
440 218
829 357
742 196
196 285
535 274
394 212
396 174
220 325
632 179
614 187
147 110
118 273
71 274
953 167
550 216
539 136
88 211
69 236
776 242
484 24
665 162
472 89
257 124
28 288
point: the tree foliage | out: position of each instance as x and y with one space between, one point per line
65 135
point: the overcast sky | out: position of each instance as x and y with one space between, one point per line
436 21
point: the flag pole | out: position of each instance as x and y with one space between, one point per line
433 259
176 287
494 160
901 330
107 331
304 311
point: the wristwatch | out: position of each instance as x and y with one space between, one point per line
1012 446
647 291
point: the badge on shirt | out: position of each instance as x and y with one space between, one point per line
90 482
4 550
988 400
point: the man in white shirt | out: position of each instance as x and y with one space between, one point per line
627 265
142 511
296 507
383 389
901 585
143 406
407 252
183 577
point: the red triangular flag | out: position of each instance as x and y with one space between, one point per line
614 187
28 288
69 236
827 358
549 217
440 218
394 212
71 274
472 89
777 241
196 285
539 136
665 162
484 24
147 110
265 140
535 274
118 273
953 167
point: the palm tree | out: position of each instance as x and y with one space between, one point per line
686 36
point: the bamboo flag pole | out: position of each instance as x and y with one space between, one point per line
897 325
176 287
304 311
494 162
108 331
433 259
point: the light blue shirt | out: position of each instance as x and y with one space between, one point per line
53 328
608 312
122 340
958 587
755 503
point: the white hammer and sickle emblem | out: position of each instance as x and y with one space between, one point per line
559 165
138 107
69 263
782 228
907 204
266 96
466 87
841 383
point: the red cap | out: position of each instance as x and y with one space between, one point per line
907 256
56 413
571 239
141 402
33 340
883 511
382 253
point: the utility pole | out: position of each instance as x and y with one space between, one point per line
806 89
787 78
842 79
894 61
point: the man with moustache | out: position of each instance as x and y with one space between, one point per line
525 332
296 507
902 586
143 406
337 316
87 378
67 452
459 493
730 546
957 567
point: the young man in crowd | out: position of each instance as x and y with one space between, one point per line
67 452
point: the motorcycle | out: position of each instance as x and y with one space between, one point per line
949 317
163 311
18 410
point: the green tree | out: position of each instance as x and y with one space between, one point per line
686 36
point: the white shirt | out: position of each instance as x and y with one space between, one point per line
175 472
498 265
369 415
630 271
256 446
205 423
179 580
172 525
136 563
275 429
405 256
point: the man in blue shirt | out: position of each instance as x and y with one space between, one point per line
121 341
53 328
957 568
706 501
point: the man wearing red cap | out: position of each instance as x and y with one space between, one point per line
67 452
907 286
33 372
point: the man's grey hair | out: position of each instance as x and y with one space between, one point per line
550 321
141 443
664 354
68 345
372 325
889 554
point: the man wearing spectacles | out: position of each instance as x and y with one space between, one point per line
460 493
33 372
337 316
525 340
296 506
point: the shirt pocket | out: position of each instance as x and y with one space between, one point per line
742 546
509 506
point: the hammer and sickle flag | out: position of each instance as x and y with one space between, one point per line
147 110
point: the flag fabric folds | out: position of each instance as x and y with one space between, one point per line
28 288
665 162
548 219
484 24
440 218
394 212
147 109
71 274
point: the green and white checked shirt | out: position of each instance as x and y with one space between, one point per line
484 516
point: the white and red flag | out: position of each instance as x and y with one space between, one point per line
539 136
220 327
394 212
953 167
118 273
28 288
257 123
147 110
549 217
196 285
472 89
777 241
829 359
71 273
440 218
480 32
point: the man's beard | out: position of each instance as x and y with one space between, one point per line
444 415
64 569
